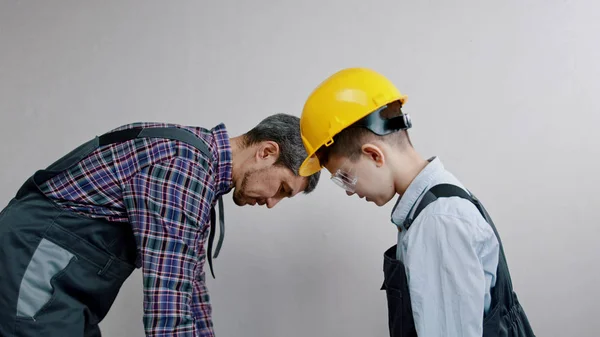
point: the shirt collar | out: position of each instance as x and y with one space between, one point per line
414 191
221 150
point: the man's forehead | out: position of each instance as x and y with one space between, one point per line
292 183
296 183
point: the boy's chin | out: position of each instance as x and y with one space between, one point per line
382 201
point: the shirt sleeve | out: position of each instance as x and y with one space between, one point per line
446 279
167 203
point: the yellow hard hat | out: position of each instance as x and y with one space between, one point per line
338 102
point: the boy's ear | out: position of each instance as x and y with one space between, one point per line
374 153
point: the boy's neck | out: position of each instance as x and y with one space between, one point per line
408 166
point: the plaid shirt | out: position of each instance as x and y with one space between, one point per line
160 187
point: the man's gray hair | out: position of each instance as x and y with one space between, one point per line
284 130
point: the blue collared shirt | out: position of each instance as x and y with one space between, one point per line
450 254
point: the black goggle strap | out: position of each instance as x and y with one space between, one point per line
383 126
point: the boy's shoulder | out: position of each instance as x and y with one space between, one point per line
455 207
455 213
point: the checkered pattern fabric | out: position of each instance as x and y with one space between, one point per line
162 190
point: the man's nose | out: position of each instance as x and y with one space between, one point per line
349 193
271 202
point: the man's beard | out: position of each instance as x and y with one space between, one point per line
238 197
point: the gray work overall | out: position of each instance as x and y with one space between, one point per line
60 271
506 317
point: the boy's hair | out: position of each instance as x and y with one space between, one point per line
348 143
283 129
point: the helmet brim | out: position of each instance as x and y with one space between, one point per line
310 166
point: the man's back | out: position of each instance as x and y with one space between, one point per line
94 187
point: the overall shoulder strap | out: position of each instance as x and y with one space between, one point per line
181 135
187 137
448 191
441 191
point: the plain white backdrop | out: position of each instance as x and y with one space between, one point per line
502 91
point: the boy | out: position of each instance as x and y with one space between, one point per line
447 276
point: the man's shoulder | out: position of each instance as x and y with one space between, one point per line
155 125
207 135
156 150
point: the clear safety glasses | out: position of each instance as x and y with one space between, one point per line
345 177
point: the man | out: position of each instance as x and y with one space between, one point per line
140 196
447 276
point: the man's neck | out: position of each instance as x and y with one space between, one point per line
237 156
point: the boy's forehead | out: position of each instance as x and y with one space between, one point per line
334 162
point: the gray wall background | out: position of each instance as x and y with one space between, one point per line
502 91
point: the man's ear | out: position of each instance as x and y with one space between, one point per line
267 150
374 153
